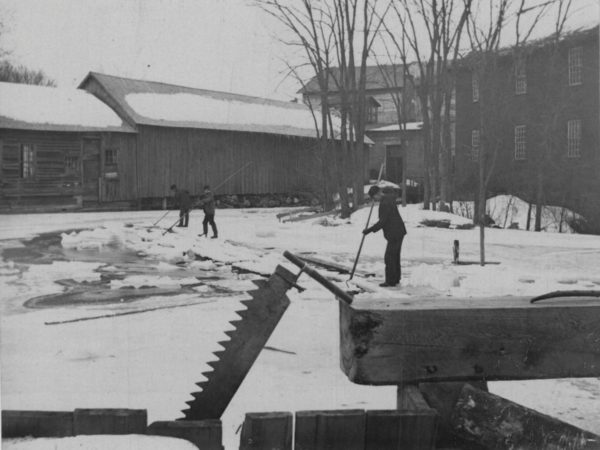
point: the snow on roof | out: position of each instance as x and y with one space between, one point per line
410 126
209 111
25 106
169 105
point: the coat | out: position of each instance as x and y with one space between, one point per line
208 203
182 199
390 220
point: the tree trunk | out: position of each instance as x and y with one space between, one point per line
539 203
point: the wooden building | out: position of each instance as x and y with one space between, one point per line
387 87
544 128
57 147
192 137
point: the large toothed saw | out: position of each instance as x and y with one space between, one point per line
256 324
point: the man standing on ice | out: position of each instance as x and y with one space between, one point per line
393 230
208 205
184 203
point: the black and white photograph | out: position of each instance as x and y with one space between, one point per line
300 224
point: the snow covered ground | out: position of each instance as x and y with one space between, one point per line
151 360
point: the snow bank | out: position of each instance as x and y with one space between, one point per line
100 442
509 211
55 106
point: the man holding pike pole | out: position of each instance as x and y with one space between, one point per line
394 231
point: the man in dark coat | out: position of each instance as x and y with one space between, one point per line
393 230
208 206
184 203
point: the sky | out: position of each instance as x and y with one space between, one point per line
211 44
226 45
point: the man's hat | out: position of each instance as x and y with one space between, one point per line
373 190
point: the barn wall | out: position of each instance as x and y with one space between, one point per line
57 167
51 177
192 158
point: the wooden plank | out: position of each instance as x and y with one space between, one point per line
268 430
109 421
452 339
330 430
37 423
205 434
494 422
407 429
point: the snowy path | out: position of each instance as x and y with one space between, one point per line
151 360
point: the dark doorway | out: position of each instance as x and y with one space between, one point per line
394 163
91 169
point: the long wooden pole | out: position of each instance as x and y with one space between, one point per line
362 241
214 189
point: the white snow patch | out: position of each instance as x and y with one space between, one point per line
56 106
99 442
186 107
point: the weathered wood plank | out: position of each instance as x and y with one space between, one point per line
205 434
268 430
330 430
408 429
332 265
37 423
109 421
497 423
450 339
442 396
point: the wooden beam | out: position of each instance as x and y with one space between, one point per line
463 339
494 422
331 265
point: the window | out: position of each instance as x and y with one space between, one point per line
575 66
475 145
475 87
372 109
27 161
371 114
110 156
71 163
520 142
574 138
520 76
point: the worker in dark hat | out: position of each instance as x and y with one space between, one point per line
184 203
208 206
394 231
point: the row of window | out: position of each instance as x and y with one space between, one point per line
27 160
575 73
574 133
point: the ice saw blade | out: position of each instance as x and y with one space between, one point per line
264 309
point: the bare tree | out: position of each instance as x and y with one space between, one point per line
433 30
485 27
21 74
336 38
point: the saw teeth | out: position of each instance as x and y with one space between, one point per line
260 311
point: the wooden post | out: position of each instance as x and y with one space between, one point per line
267 431
494 422
330 430
443 397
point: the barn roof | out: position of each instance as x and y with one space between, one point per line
168 105
31 107
390 76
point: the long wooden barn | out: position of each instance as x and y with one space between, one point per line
192 137
58 147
